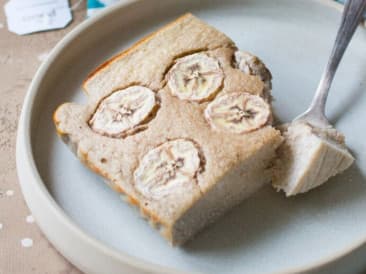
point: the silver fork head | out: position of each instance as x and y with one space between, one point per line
352 14
314 117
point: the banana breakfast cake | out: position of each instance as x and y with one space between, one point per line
180 123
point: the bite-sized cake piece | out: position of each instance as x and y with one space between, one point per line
176 126
308 157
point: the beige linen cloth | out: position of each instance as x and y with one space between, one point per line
23 248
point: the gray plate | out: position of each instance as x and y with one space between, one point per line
267 233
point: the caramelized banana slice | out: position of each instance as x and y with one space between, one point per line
238 112
123 111
252 65
167 169
195 77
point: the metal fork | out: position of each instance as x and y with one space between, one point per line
352 14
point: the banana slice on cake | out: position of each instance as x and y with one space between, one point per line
252 65
238 112
123 111
195 77
167 169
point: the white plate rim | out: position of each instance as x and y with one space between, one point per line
32 184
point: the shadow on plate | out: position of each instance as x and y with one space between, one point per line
353 99
246 224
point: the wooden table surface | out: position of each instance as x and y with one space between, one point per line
23 248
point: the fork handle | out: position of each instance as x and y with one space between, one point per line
352 14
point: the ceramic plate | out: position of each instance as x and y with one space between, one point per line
268 233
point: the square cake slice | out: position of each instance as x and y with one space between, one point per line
179 124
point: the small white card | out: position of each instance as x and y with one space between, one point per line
28 16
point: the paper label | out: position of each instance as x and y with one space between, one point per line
29 16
